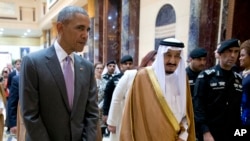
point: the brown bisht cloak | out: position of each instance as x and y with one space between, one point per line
147 116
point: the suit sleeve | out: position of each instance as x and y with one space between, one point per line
199 102
10 79
92 112
13 102
29 101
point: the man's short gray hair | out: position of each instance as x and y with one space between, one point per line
68 12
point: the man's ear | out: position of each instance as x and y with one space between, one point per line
59 27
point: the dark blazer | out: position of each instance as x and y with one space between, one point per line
11 75
13 101
44 102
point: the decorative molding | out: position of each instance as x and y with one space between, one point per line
8 18
7 9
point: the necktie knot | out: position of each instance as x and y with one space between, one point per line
68 59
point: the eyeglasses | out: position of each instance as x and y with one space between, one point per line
5 71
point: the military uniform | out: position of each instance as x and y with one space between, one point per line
192 75
101 87
191 78
217 97
108 92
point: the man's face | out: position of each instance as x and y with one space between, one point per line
74 33
128 65
171 60
18 65
9 66
229 57
198 64
111 68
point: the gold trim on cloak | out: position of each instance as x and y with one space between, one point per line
166 109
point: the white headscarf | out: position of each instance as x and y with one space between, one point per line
105 70
180 73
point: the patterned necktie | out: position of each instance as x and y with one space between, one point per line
69 79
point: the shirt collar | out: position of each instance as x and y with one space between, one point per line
61 54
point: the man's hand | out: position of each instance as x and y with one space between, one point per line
104 118
13 130
208 137
112 129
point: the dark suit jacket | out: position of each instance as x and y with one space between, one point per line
11 75
44 102
13 101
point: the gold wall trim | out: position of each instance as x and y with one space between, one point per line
15 41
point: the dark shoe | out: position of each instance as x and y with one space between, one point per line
106 133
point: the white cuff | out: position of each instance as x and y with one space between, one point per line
184 135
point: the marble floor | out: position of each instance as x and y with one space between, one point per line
9 137
14 139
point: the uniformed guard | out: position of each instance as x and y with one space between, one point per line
110 70
217 96
197 62
126 64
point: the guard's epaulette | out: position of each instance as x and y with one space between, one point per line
206 72
237 75
209 71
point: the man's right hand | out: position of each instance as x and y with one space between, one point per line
112 129
208 137
13 130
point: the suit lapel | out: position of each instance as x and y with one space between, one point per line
79 78
56 71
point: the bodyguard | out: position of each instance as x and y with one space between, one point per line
197 62
217 96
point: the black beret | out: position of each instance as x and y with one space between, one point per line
111 62
198 52
126 58
228 44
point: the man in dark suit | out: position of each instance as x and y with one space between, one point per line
51 110
14 72
13 103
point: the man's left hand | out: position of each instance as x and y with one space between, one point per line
112 129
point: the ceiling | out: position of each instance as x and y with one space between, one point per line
10 28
